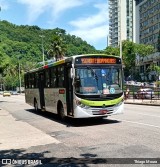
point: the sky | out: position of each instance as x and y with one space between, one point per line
87 19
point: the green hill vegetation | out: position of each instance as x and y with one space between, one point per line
22 45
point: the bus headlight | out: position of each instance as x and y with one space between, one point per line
78 102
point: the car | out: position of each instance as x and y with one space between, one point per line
6 93
152 84
145 93
14 93
131 82
137 83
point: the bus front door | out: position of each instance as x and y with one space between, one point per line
69 91
41 83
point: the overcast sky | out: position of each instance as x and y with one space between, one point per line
87 19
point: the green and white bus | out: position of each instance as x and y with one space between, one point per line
81 86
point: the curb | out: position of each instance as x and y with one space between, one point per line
147 104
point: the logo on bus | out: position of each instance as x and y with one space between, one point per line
61 91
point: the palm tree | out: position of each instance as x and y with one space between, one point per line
58 48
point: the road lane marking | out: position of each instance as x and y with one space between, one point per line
139 123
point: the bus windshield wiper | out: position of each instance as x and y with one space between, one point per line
93 73
109 75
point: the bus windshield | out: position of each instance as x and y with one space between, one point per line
98 80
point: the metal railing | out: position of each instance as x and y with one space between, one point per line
141 94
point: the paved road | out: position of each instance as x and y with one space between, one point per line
134 134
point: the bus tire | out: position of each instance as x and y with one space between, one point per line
61 112
36 106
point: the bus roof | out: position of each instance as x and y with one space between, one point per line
65 60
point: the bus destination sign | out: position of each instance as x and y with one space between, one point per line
97 60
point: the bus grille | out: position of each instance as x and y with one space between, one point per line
96 111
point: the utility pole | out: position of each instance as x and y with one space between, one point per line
42 36
19 73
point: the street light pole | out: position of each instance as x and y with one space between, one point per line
19 73
42 36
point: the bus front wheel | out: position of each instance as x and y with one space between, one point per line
61 112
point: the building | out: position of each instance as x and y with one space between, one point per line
147 31
143 64
147 21
137 21
121 21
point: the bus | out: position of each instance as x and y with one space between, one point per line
81 86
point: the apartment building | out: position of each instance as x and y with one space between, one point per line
147 21
121 21
147 31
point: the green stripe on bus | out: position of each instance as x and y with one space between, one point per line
101 103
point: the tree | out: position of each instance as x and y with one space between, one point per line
144 50
112 51
58 47
157 70
10 75
24 41
129 52
128 58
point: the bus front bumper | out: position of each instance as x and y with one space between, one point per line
89 112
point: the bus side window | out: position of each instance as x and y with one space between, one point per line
53 77
30 80
26 81
47 84
60 77
36 80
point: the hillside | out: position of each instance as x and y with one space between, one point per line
25 40
21 46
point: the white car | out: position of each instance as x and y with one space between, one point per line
146 93
14 93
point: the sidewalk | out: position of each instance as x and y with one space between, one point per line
149 102
18 134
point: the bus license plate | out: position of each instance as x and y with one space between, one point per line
103 111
